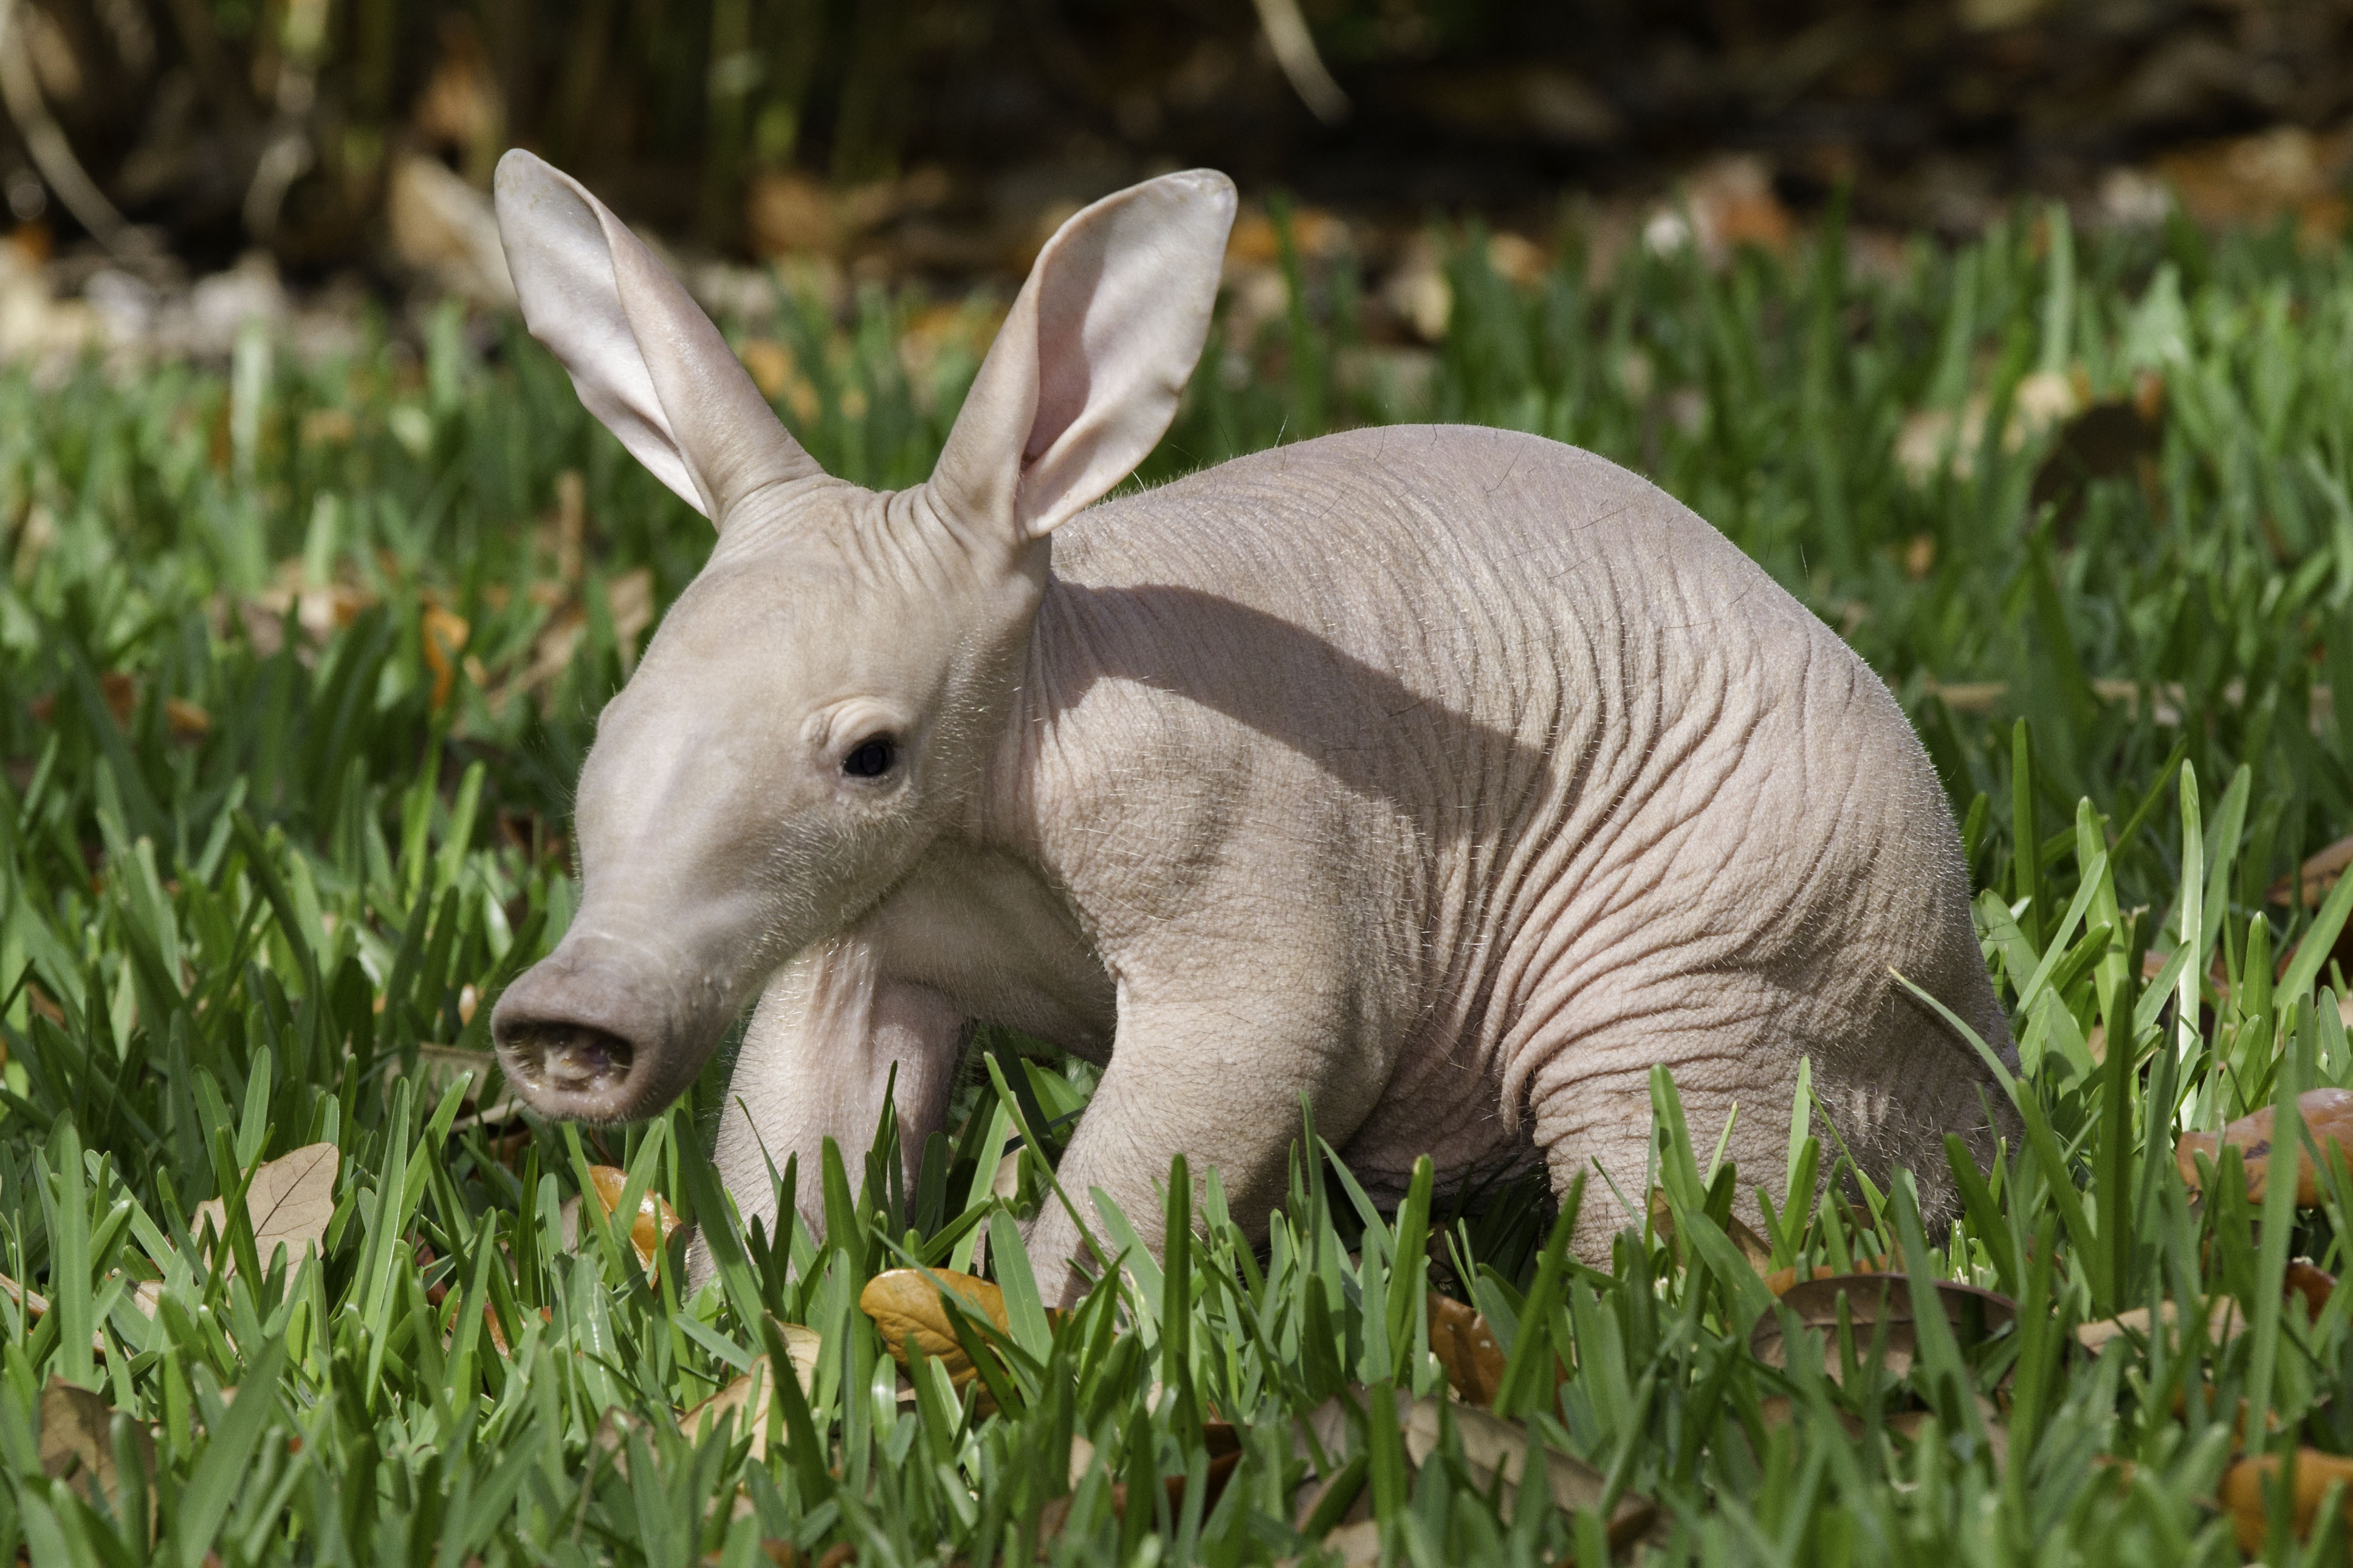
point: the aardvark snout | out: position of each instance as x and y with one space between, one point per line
590 1032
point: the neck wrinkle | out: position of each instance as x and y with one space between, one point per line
1005 813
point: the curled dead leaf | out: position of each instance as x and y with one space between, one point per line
289 1201
906 1307
2242 1493
2328 1116
650 1228
1870 1301
1465 1346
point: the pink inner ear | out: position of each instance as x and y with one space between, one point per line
1065 369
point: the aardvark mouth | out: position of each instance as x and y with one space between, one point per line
567 1058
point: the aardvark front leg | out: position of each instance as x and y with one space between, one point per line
816 1064
1217 1079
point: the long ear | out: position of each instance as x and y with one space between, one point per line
1085 374
645 360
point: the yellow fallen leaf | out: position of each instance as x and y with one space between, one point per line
906 1307
2243 1493
650 1228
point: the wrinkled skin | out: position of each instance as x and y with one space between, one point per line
1450 777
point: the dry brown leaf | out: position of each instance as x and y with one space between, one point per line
630 598
802 1346
2328 1116
490 1323
33 1301
1781 1279
551 654
1780 1410
748 1396
2257 179
610 1440
1465 1346
1870 1298
1908 1424
443 635
782 1553
2224 1323
1225 1447
122 694
1325 1429
2319 874
290 1202
650 1228
1356 1545
2243 1493
1493 1447
1752 1247
747 1399
906 1307
188 720
2313 1284
35 1304
77 1441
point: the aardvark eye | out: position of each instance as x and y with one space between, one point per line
872 759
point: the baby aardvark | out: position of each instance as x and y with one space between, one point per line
1449 776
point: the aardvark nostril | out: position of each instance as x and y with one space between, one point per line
571 1058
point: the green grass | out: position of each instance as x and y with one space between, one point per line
216 948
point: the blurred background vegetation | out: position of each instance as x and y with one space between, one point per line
202 129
